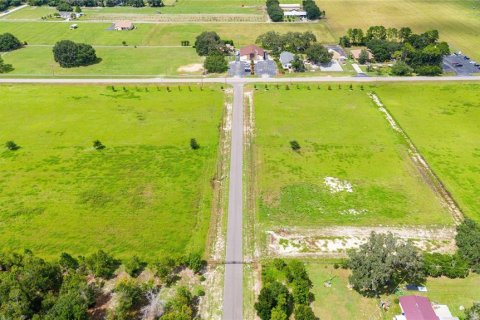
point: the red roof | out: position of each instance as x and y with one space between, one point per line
251 49
417 308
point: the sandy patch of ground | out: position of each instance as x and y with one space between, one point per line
191 68
335 241
336 185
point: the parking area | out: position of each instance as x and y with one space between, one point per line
460 64
266 68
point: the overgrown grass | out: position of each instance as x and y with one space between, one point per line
443 121
147 193
342 135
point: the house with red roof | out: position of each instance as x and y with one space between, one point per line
420 308
252 52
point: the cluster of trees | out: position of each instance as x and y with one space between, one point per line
210 44
294 42
312 10
451 266
468 243
279 300
274 11
5 67
70 54
32 288
5 4
9 42
69 4
420 53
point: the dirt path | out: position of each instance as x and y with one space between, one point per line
423 167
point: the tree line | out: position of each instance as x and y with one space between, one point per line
276 13
69 4
5 4
420 53
68 288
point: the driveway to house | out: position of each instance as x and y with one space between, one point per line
6 12
233 285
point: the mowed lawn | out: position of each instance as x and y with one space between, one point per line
443 121
162 34
344 137
148 193
38 61
351 305
457 21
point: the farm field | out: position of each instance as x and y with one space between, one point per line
352 169
38 61
351 305
150 34
457 21
147 193
442 120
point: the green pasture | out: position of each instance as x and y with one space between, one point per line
150 34
30 13
348 304
38 61
147 193
443 122
342 135
457 21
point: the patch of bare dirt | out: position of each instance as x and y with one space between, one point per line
191 68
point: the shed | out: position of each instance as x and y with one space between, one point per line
123 25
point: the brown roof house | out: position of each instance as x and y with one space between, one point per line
252 52
123 25
356 54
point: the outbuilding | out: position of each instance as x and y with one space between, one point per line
286 59
123 25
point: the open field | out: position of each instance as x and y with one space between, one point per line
348 304
30 13
353 168
150 34
147 193
442 120
38 61
457 21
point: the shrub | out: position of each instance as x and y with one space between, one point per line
67 262
9 42
295 145
134 266
401 69
101 264
194 144
195 262
97 145
12 146
5 68
451 266
429 70
215 63
304 312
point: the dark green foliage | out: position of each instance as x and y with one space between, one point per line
429 70
195 262
401 69
468 243
298 65
473 313
355 36
101 264
344 42
295 42
209 43
295 145
165 270
4 67
363 57
11 145
64 6
312 10
9 42
194 144
274 11
155 3
67 262
69 306
180 307
451 266
70 54
317 54
134 266
383 263
304 312
98 145
272 295
129 295
215 63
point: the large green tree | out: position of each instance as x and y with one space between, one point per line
4 67
208 43
468 243
216 63
70 54
9 42
317 54
383 263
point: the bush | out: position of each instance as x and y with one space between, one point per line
473 313
12 146
429 70
194 144
273 295
451 266
101 264
295 145
9 42
401 69
215 63
67 262
70 54
98 145
468 243
5 68
134 266
195 262
304 312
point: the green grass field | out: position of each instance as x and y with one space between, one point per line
343 136
147 193
442 120
457 21
38 61
348 304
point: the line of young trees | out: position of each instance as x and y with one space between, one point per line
97 3
32 288
421 53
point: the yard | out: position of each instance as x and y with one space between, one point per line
147 193
442 120
351 305
457 21
352 168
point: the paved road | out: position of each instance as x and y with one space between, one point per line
233 285
127 80
12 10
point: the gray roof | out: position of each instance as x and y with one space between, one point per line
286 57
